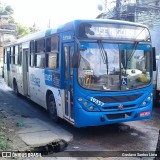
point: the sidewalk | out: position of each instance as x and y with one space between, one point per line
26 134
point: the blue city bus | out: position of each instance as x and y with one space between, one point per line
87 72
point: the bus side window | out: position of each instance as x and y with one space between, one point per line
40 53
13 54
5 56
16 55
53 54
11 59
32 51
48 44
9 55
20 54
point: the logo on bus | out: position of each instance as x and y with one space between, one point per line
35 81
67 37
48 77
120 107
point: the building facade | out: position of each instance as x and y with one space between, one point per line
140 11
8 33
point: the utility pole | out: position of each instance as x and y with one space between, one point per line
49 23
118 8
105 5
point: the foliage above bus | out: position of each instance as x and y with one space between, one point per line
114 31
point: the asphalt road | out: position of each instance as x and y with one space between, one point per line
131 136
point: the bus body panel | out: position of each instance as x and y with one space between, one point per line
37 85
16 74
5 73
73 102
100 118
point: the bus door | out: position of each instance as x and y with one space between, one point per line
68 49
25 72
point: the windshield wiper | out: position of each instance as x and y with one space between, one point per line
105 61
133 51
134 47
103 54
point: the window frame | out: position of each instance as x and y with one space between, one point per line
32 54
5 56
40 52
52 51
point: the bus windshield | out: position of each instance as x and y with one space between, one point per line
114 67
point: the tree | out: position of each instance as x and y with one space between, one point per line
6 10
22 30
6 13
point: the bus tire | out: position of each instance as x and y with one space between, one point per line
15 88
51 105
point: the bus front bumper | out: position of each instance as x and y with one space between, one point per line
84 118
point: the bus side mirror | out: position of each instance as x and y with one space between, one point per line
154 58
75 63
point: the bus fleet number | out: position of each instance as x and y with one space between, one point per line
99 103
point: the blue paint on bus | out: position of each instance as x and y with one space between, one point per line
112 81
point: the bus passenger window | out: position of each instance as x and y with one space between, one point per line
20 55
32 59
52 61
16 55
53 56
40 60
48 45
5 56
40 53
54 43
40 46
32 51
10 56
13 54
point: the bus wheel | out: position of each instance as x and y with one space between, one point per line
52 108
15 88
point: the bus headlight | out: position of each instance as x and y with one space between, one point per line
147 101
149 98
87 105
91 108
144 103
80 99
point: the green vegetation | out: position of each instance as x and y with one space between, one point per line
6 12
22 30
4 144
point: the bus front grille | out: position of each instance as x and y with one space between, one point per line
120 99
109 108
